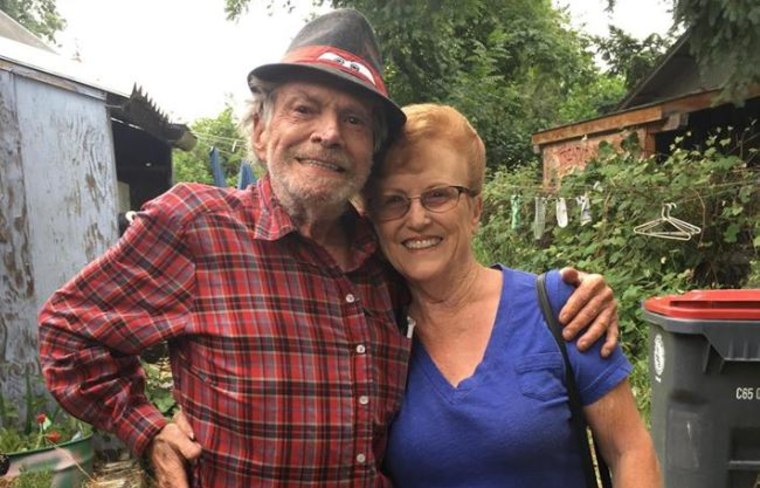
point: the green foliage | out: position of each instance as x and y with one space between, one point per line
725 37
513 68
32 479
629 57
220 131
37 428
587 102
159 385
41 17
712 187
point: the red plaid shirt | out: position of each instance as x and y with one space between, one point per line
288 368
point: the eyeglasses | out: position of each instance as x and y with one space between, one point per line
395 206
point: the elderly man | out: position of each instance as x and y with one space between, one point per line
285 350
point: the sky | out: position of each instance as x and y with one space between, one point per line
191 60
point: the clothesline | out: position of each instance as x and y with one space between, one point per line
584 212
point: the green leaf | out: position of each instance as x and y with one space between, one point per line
730 233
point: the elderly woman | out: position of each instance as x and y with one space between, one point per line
485 402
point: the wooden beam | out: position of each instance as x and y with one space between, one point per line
690 103
599 125
701 101
635 117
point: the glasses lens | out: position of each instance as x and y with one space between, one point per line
440 199
389 207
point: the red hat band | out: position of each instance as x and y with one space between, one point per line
339 59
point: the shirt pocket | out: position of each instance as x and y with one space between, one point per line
541 376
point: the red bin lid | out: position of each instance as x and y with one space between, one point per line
708 304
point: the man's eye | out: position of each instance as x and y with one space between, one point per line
354 120
302 109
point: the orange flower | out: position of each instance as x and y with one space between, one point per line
54 436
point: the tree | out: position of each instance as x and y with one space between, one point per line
724 37
512 67
41 17
629 57
713 189
220 132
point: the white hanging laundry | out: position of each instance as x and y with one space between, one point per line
585 209
561 212
515 201
539 222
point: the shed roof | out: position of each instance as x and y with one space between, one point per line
675 75
126 101
674 85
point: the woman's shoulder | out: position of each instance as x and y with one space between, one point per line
523 283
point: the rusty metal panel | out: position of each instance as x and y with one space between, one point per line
563 157
17 303
58 206
70 177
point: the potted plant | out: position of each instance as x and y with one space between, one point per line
44 444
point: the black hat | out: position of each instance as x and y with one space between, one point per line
342 45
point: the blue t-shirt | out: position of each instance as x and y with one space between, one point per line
508 424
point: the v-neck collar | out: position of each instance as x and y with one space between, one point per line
449 392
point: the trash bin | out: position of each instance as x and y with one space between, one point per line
704 363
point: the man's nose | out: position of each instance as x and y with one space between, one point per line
328 131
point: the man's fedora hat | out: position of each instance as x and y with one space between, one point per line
338 46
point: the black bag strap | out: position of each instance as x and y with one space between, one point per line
576 407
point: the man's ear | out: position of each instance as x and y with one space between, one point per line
259 138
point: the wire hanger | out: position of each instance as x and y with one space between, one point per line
667 226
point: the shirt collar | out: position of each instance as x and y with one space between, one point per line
274 223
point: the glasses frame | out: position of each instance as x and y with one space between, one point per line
460 190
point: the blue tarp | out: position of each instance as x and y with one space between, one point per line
216 168
245 176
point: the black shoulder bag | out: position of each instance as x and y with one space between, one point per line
576 407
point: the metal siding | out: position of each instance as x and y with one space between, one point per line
58 206
17 304
70 177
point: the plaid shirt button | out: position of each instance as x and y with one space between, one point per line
254 309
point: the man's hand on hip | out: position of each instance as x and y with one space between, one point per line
171 451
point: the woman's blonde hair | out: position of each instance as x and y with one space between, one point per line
430 121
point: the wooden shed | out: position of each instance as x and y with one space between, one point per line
73 154
675 99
